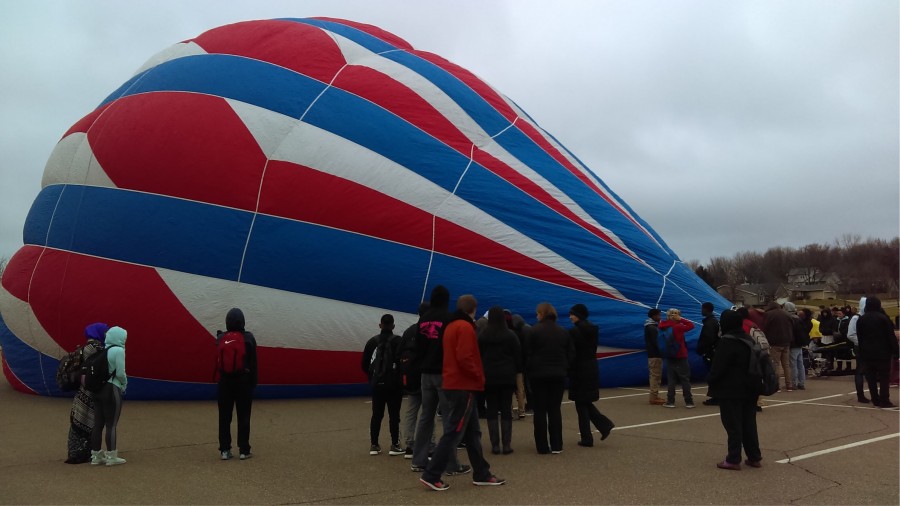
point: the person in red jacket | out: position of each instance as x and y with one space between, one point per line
463 376
678 368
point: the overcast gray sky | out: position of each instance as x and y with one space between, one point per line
762 123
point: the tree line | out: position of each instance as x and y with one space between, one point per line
864 266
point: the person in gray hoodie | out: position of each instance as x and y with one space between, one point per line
108 401
860 364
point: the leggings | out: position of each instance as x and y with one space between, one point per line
107 408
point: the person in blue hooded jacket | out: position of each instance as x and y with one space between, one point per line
108 401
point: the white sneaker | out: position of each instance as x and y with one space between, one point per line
227 455
98 458
112 458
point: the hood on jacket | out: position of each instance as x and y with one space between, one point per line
116 336
96 331
440 297
459 314
862 306
731 322
234 320
873 305
650 321
790 307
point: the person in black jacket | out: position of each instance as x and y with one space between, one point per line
584 381
708 340
654 357
548 352
877 347
501 358
387 390
430 359
731 383
235 391
412 383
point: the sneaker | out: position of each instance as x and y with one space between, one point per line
728 465
862 400
489 482
245 456
408 454
438 485
801 387
669 405
395 450
416 469
461 445
585 444
227 455
886 405
690 405
657 401
711 402
462 469
374 450
790 389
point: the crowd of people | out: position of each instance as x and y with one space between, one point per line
457 367
463 368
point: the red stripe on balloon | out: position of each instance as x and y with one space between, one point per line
171 143
296 46
70 291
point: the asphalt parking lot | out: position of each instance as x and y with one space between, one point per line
819 447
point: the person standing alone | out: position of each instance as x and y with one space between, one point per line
238 376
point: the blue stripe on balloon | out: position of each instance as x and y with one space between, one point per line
142 228
252 81
362 38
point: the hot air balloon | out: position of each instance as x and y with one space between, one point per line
316 173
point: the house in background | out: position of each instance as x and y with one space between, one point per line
806 283
746 294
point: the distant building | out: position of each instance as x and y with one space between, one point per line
812 276
746 294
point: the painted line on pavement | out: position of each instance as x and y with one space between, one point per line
836 449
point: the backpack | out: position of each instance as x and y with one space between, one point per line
665 339
382 366
231 353
759 337
761 369
68 373
95 370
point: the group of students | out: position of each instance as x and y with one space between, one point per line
94 410
448 360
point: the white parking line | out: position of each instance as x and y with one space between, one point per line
835 449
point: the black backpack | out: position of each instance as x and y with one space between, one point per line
383 371
96 371
68 373
761 369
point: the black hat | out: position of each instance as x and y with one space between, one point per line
579 310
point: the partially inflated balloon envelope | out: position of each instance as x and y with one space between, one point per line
316 173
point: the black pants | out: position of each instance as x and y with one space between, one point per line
739 419
499 401
107 409
392 398
878 376
235 392
547 395
587 414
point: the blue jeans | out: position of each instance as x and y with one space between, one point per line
432 395
461 423
798 372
